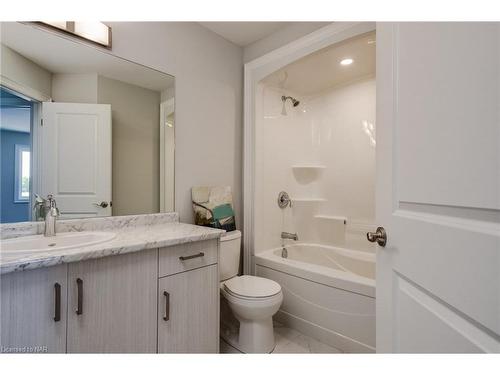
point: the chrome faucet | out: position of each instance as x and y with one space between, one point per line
51 214
289 236
47 209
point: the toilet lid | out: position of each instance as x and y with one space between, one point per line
252 286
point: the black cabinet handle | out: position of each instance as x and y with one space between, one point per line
79 284
199 255
57 307
167 306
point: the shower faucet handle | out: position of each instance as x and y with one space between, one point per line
284 200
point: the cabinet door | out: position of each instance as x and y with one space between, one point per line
112 304
33 310
188 312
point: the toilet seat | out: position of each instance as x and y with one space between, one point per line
251 287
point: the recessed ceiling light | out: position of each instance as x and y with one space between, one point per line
346 62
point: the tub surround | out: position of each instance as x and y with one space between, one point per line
315 263
133 233
329 293
326 165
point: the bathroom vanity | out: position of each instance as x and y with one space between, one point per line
153 288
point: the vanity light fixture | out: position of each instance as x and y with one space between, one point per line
94 31
346 61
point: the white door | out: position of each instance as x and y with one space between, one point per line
75 158
438 187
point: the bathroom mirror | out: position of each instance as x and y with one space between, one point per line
94 130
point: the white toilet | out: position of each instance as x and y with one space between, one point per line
252 300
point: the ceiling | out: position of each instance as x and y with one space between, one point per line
58 54
321 70
244 33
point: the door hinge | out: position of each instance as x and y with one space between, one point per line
41 122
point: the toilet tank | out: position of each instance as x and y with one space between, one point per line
229 259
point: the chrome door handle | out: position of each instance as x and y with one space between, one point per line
102 204
379 236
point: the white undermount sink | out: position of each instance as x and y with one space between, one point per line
32 245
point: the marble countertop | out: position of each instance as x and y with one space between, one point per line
133 235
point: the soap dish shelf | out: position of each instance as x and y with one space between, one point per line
331 217
308 166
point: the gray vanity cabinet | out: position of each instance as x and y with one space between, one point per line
188 298
112 304
33 311
188 320
159 300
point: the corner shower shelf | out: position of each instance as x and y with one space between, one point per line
331 217
308 166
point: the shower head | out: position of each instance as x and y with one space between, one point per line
294 101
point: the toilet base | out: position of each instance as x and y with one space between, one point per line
246 336
256 336
248 345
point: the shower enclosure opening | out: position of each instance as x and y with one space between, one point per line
315 133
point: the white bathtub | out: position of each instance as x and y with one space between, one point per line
329 293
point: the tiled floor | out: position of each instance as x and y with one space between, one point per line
289 341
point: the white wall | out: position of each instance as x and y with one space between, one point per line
15 119
136 145
208 99
28 77
279 38
326 129
74 88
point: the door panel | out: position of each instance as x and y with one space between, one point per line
438 187
193 305
118 304
28 309
76 157
446 328
448 114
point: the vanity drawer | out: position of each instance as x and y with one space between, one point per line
179 258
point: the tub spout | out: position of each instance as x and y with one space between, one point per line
289 236
284 253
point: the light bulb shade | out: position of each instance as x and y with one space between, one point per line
63 25
94 31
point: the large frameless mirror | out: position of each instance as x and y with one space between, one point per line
91 129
